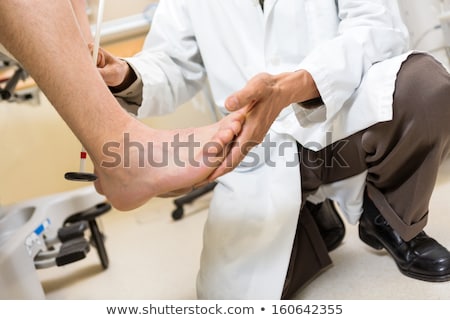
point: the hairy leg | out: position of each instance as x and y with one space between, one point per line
46 39
79 9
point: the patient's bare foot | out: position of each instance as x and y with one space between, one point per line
145 162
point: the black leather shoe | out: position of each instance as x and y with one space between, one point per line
421 258
330 224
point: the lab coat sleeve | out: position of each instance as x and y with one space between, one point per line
170 64
369 31
131 98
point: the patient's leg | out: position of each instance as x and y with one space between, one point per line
79 8
44 36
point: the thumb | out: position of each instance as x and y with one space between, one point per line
101 59
232 103
242 98
238 101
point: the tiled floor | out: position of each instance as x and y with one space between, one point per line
155 257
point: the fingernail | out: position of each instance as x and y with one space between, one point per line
232 103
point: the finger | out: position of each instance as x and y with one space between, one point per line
225 136
236 153
214 152
239 100
101 59
101 56
234 157
91 50
220 171
246 97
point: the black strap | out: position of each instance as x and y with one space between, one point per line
261 2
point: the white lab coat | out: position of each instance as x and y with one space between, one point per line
354 59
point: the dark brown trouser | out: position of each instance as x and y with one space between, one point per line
402 157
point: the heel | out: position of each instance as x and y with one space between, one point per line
369 240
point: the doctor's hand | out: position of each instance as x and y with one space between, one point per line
114 71
264 96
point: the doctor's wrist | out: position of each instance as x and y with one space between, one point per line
129 79
299 87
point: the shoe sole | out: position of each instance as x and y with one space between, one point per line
374 243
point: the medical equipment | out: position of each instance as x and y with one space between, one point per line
82 175
11 76
19 74
47 232
180 202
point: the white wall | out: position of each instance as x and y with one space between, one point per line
115 9
421 17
